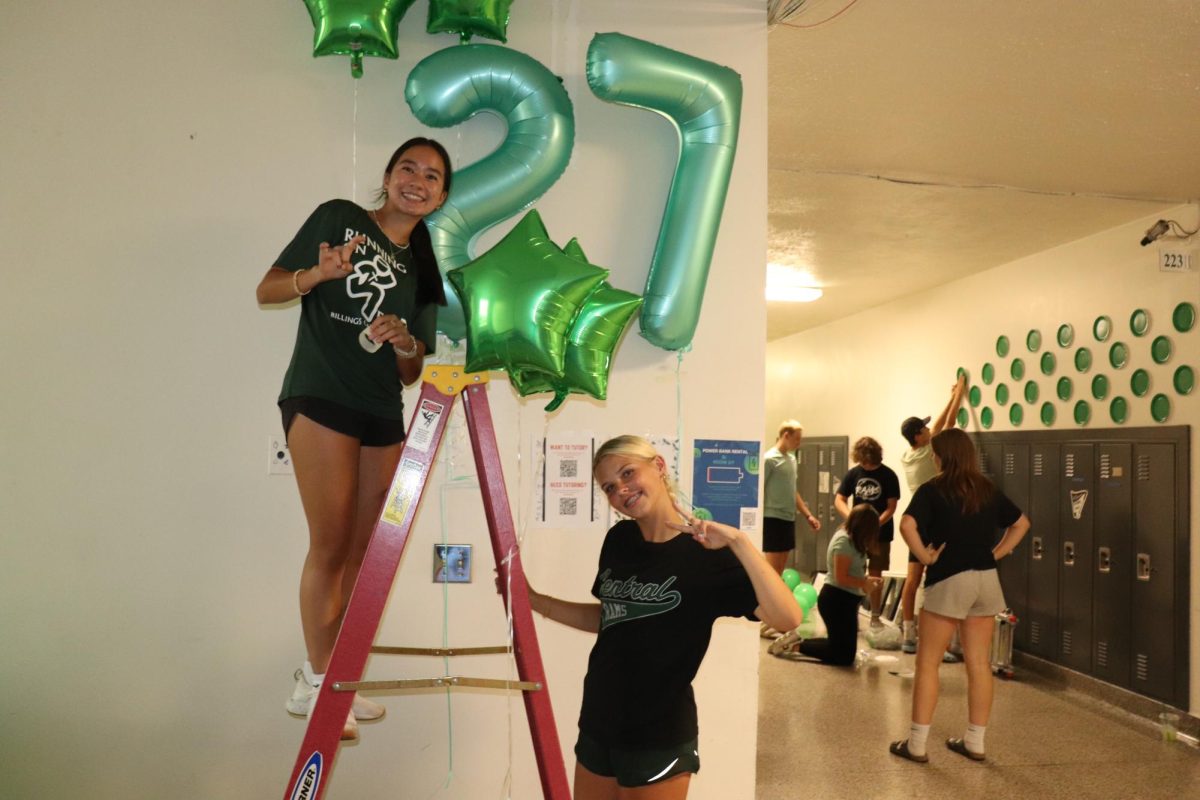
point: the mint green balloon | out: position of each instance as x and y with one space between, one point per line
806 596
703 101
451 86
356 28
791 578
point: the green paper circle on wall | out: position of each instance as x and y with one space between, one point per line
989 374
960 372
1066 335
1016 415
1049 362
1033 340
1001 393
1031 392
985 418
1160 408
1139 322
1118 355
1083 412
1102 329
1083 359
1100 387
1118 409
975 396
1139 382
1161 350
1185 380
1047 414
1017 370
1184 317
1002 346
963 418
1064 388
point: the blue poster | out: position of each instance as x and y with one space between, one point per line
725 481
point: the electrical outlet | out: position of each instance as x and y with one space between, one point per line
279 458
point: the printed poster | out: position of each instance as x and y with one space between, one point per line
725 481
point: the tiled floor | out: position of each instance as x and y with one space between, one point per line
823 733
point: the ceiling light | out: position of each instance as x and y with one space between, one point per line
790 285
793 294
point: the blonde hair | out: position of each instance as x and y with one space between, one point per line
636 447
789 425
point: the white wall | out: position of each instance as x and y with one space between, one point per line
862 375
156 157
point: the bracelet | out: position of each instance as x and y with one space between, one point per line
410 353
296 281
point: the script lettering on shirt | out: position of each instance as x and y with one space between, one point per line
630 598
868 489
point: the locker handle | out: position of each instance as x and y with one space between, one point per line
1038 548
1105 559
1069 554
1143 567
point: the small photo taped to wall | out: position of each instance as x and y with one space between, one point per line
452 563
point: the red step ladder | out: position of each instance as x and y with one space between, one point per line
441 385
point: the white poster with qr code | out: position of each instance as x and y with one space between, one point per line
424 423
567 499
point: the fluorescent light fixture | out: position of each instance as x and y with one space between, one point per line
788 285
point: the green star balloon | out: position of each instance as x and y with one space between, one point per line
356 28
470 17
520 299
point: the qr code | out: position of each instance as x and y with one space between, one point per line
749 519
568 468
568 506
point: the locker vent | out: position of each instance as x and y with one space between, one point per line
1105 466
1069 465
1143 467
1010 464
1066 643
1102 654
984 464
1035 633
1039 465
821 458
1141 668
833 458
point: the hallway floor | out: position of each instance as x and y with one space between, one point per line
823 733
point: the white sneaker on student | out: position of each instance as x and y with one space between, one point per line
305 694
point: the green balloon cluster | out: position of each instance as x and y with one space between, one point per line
806 596
542 313
791 578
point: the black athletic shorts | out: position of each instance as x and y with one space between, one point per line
633 768
779 535
370 430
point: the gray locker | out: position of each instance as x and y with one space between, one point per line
1113 560
1041 621
1077 502
1014 569
805 556
1154 595
822 467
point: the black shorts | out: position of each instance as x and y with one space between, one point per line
370 430
633 768
779 535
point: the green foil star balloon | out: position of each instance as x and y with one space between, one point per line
468 18
520 299
356 28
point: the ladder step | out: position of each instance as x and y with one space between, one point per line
439 651
447 681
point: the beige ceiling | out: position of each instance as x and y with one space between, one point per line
913 142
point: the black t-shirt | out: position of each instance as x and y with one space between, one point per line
659 602
969 538
874 486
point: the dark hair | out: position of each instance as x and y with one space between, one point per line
418 141
867 451
862 526
960 478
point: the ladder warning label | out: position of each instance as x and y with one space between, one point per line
404 490
424 422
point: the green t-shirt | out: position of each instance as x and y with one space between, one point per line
842 545
779 484
327 361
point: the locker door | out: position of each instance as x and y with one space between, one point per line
806 484
825 508
1113 560
1014 570
988 455
1077 501
1154 572
1043 542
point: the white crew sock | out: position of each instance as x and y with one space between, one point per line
313 678
973 738
918 737
910 630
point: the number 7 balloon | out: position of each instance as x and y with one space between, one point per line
356 28
703 101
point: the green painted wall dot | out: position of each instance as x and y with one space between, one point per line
1047 414
1017 370
1002 346
1139 322
1100 387
1184 380
1064 388
1161 350
1049 362
1160 408
985 418
1001 393
1031 392
989 374
1184 317
1102 329
1118 409
1083 412
1118 355
1083 359
975 396
1033 340
1139 382
1016 415
1066 335
963 418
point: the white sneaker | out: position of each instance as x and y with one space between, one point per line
786 646
305 694
876 623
